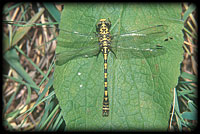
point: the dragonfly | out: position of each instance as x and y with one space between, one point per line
133 44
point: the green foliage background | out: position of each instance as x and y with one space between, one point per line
140 90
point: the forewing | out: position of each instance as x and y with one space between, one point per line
141 39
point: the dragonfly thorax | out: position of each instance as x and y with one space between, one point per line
104 36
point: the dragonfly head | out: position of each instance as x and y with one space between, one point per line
103 23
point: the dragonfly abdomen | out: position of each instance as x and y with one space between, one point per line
105 99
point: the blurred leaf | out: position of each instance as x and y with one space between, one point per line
13 60
189 11
22 31
177 114
5 43
192 107
190 115
53 11
186 75
41 96
6 10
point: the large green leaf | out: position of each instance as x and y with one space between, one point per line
139 89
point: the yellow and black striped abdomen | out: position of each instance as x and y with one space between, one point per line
105 99
104 41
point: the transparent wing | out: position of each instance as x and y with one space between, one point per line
141 39
65 56
75 39
144 43
127 53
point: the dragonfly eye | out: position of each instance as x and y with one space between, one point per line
99 25
108 25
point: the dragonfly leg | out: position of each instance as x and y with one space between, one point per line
111 37
96 34
109 20
110 48
98 53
